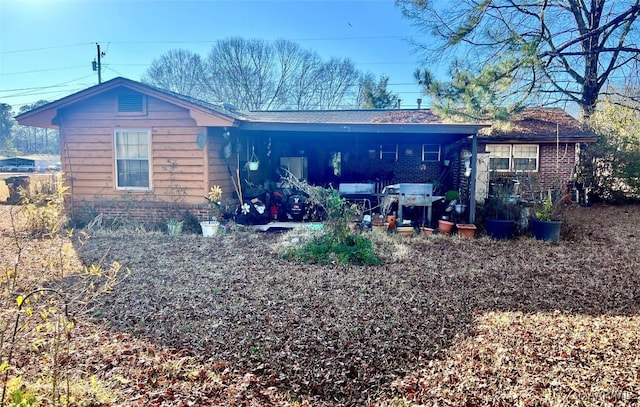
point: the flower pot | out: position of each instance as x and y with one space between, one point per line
426 231
392 220
210 228
499 228
444 226
405 230
174 228
253 165
549 231
466 230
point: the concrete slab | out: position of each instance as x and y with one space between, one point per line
287 225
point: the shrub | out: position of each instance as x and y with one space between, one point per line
337 241
44 208
330 247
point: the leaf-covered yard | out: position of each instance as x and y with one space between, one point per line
443 321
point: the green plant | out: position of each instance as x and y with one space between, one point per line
329 248
337 242
40 306
174 227
545 210
501 205
44 207
190 223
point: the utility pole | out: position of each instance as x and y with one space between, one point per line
97 66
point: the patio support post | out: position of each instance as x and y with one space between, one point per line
472 181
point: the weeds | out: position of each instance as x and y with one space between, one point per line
338 242
42 299
330 248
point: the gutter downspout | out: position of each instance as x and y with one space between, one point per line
472 181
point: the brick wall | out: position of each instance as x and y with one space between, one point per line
138 211
407 168
555 168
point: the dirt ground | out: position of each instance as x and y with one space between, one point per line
443 321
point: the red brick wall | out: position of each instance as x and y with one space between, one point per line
407 168
139 211
555 168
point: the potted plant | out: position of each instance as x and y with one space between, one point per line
212 227
174 227
501 210
546 222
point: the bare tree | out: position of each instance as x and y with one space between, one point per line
244 72
180 71
553 50
338 84
257 75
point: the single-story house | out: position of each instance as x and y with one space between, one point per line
541 145
128 146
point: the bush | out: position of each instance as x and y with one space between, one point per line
330 247
44 207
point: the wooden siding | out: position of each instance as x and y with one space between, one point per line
221 170
177 165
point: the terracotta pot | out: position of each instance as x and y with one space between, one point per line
426 231
466 230
392 220
405 230
444 226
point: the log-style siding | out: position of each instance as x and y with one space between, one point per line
222 171
178 166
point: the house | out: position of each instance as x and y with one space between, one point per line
31 163
128 146
540 145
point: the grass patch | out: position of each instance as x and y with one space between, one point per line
329 248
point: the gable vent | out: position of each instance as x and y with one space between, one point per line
130 103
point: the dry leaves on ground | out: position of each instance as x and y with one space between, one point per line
444 321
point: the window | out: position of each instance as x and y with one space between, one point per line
389 152
499 157
132 158
525 157
431 152
513 157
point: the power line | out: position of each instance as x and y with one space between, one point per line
43 70
15 51
61 84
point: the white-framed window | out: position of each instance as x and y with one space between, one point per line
431 152
513 157
132 152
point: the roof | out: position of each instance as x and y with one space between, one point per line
532 124
204 113
361 116
380 121
539 124
222 114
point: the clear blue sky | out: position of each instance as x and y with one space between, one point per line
46 46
